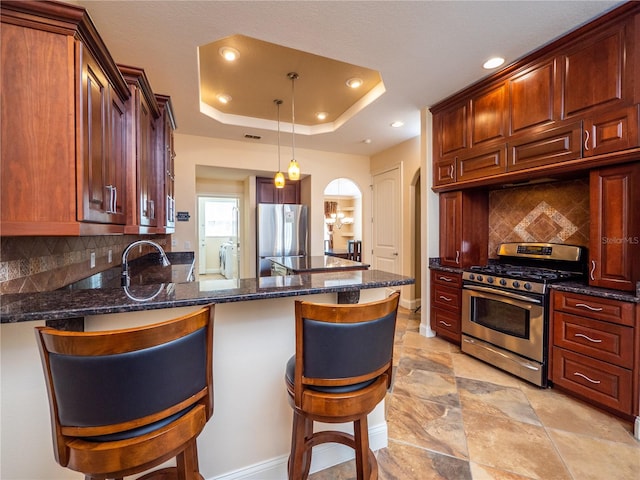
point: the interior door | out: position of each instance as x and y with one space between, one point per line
387 221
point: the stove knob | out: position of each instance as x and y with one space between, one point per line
527 286
516 284
503 282
479 277
490 279
472 276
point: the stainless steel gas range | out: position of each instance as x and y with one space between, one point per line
505 305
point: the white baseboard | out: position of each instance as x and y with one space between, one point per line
324 456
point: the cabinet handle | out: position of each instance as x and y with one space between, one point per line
445 323
111 208
445 279
114 205
593 309
582 335
446 299
586 139
152 209
457 256
578 374
593 269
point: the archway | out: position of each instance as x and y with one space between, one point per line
342 215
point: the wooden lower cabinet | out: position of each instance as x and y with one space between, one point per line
594 344
446 301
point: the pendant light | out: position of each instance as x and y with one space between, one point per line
279 178
294 167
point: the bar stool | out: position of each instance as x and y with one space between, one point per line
125 401
340 372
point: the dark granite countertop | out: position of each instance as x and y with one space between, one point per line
579 287
434 264
325 263
64 304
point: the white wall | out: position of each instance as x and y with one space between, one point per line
318 167
430 218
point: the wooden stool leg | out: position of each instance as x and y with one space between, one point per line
187 463
308 433
361 437
297 456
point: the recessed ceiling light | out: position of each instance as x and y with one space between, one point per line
223 98
493 63
367 141
397 124
321 115
229 54
354 83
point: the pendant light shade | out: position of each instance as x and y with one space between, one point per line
278 180
294 166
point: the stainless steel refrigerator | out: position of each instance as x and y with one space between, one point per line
281 232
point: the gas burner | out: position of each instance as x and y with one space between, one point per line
529 267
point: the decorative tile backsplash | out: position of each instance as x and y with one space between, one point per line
555 212
38 264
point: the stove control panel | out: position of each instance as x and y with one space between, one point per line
504 283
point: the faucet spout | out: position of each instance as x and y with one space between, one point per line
125 280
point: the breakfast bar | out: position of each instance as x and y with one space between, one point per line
249 433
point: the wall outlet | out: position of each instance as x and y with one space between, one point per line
174 242
187 245
93 260
110 256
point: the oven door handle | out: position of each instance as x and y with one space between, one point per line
493 291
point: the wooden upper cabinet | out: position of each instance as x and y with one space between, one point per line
266 191
59 88
451 128
614 244
574 99
144 177
534 97
488 119
166 161
598 71
102 184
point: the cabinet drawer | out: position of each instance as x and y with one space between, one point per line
594 307
594 380
446 297
446 323
604 341
446 278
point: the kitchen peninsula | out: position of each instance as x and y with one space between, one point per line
249 434
314 264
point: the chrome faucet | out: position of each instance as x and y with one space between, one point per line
125 281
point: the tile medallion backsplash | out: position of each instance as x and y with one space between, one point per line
555 212
40 264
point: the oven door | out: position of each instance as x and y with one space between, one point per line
509 320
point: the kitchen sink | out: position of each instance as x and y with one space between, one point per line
146 270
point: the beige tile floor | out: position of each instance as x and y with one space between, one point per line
453 417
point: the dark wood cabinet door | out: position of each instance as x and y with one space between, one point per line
614 249
450 228
94 106
117 162
147 171
533 97
553 145
611 131
598 74
489 115
464 228
266 191
451 130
